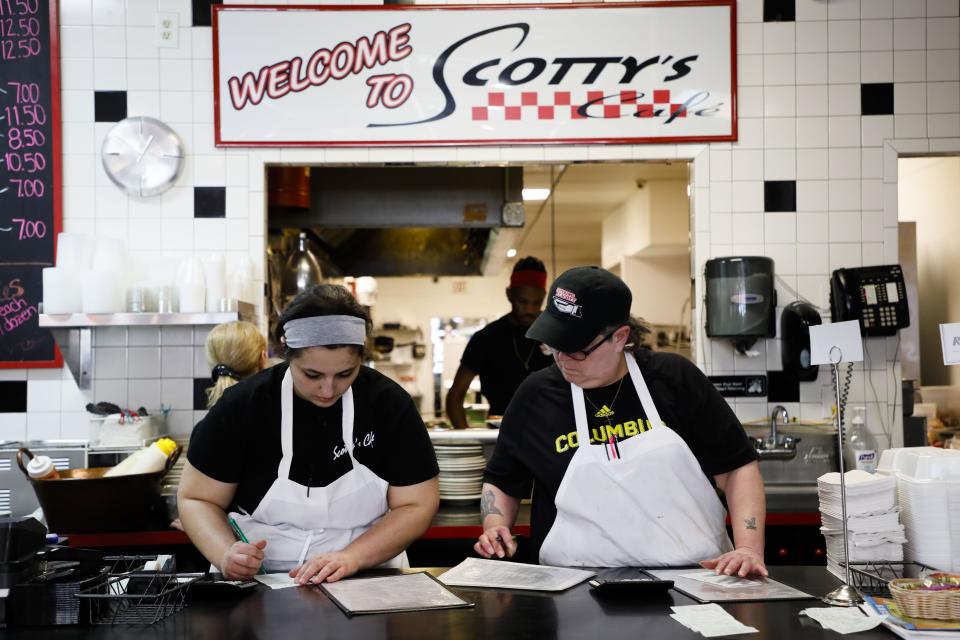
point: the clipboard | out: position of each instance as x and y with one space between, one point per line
759 589
389 594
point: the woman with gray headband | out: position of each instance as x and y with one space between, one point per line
322 463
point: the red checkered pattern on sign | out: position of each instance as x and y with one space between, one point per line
614 104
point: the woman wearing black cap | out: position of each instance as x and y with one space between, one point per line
657 435
323 464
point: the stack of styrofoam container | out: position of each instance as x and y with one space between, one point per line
928 491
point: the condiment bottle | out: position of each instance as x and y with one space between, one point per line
147 460
41 468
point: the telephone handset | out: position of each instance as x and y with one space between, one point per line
876 296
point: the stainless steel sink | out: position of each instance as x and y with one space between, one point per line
791 482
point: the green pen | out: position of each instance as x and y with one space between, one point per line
239 532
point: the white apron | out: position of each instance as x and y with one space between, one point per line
651 507
329 518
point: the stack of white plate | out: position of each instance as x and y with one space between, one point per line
461 471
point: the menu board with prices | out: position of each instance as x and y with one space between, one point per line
30 205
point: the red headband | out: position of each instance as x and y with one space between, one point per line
528 278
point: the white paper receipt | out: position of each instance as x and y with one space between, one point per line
709 620
842 620
725 582
276 580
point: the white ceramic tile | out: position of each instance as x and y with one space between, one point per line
110 337
110 362
876 35
780 164
909 98
210 170
43 426
182 51
143 74
871 229
210 234
750 38
176 336
76 74
812 68
778 37
177 203
943 125
747 227
141 13
844 131
202 45
747 164
77 135
844 10
909 9
871 164
747 196
780 227
144 103
180 423
176 75
843 35
780 133
144 336
750 11
780 101
109 12
237 234
750 133
750 102
143 362
721 228
812 132
176 106
812 100
720 164
845 226
811 37
812 164
844 99
844 195
177 392
942 8
845 255
910 126
141 42
78 107
176 235
75 12
114 391
943 65
145 393
785 258
811 195
778 69
78 202
812 259
720 195
875 130
75 425
109 42
238 199
110 75
909 33
876 66
811 10
76 42
200 367
943 97
844 163
844 68
43 395
943 33
177 362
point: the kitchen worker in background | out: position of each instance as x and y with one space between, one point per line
235 350
500 353
324 464
623 447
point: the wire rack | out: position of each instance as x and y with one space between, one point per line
136 597
872 578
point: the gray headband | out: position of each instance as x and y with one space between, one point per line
318 331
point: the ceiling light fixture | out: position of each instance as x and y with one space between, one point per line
531 195
511 253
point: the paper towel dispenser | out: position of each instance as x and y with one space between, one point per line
741 299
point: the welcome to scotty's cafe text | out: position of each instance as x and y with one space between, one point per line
392 90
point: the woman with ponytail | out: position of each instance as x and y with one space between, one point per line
235 350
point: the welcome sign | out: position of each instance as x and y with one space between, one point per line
537 74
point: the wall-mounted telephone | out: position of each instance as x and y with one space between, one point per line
876 296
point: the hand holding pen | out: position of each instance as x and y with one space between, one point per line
496 542
243 559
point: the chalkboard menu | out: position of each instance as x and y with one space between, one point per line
30 214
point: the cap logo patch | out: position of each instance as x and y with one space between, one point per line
566 307
569 296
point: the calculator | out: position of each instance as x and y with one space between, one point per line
632 581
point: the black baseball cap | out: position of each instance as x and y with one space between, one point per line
583 303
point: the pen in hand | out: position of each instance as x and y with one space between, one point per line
239 533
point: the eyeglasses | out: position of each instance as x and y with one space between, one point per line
580 356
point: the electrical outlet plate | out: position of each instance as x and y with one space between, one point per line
513 214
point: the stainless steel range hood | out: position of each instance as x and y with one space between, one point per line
403 221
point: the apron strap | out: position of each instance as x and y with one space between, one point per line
643 392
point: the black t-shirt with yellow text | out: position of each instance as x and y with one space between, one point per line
538 435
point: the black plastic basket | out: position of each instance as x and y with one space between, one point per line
871 578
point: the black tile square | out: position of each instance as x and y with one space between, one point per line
200 386
783 386
202 12
780 195
109 106
779 10
13 396
876 99
209 202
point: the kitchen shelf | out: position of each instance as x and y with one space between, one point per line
93 320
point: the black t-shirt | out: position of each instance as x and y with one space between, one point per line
239 439
538 435
503 357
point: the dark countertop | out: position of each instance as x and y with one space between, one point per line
306 612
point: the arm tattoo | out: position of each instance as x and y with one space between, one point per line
488 505
751 523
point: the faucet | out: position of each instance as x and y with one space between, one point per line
777 411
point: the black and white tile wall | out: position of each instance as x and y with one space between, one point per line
814 99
